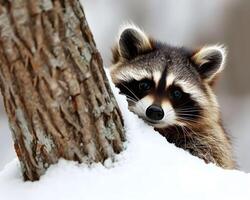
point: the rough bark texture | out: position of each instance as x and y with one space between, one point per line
55 92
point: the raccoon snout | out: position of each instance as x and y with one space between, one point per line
155 112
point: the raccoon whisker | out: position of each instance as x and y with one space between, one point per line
187 113
194 115
199 144
190 129
169 111
185 128
131 92
195 143
131 99
191 123
199 116
188 108
182 106
129 96
134 99
195 108
139 103
208 106
184 103
189 120
190 114
185 136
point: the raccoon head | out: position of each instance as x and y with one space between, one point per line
166 85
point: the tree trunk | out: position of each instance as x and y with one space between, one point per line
55 91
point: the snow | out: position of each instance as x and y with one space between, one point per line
149 168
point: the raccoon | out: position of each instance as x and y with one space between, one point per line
171 89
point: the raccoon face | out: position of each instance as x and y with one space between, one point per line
165 85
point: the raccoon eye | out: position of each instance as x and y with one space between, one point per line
176 94
145 85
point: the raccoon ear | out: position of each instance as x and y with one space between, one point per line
210 61
132 42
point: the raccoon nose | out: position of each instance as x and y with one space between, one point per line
155 112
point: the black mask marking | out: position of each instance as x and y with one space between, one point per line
185 106
133 90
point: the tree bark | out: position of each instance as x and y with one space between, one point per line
55 91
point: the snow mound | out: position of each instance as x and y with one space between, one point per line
149 168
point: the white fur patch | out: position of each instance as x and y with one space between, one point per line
156 77
169 114
129 73
170 79
142 105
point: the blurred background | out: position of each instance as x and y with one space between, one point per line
189 23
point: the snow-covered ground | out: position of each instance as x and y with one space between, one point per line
149 168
